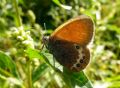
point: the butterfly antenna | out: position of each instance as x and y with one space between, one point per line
42 34
45 26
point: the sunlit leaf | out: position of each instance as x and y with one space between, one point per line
32 53
61 5
78 78
115 84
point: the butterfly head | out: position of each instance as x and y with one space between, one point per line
45 40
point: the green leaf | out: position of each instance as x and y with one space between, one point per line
7 63
32 53
39 72
115 84
113 28
57 2
77 78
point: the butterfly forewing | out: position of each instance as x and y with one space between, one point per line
77 30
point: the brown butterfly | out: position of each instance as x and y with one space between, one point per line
68 43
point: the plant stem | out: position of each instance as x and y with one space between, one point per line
18 18
5 72
29 76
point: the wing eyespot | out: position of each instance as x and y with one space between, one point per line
78 65
77 46
81 61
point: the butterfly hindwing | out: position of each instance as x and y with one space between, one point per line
72 56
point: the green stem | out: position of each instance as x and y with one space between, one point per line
5 72
19 21
29 75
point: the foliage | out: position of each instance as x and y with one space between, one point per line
24 65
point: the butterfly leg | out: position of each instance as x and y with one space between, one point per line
41 48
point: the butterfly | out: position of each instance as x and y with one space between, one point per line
68 43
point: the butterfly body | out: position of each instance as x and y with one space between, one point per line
68 43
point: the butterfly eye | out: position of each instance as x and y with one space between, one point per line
77 46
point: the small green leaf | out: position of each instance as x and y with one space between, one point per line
113 28
32 53
39 72
57 2
7 63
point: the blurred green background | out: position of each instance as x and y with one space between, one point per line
21 30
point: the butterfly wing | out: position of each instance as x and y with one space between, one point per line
77 30
62 43
70 55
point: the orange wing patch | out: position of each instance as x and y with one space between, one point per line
78 30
